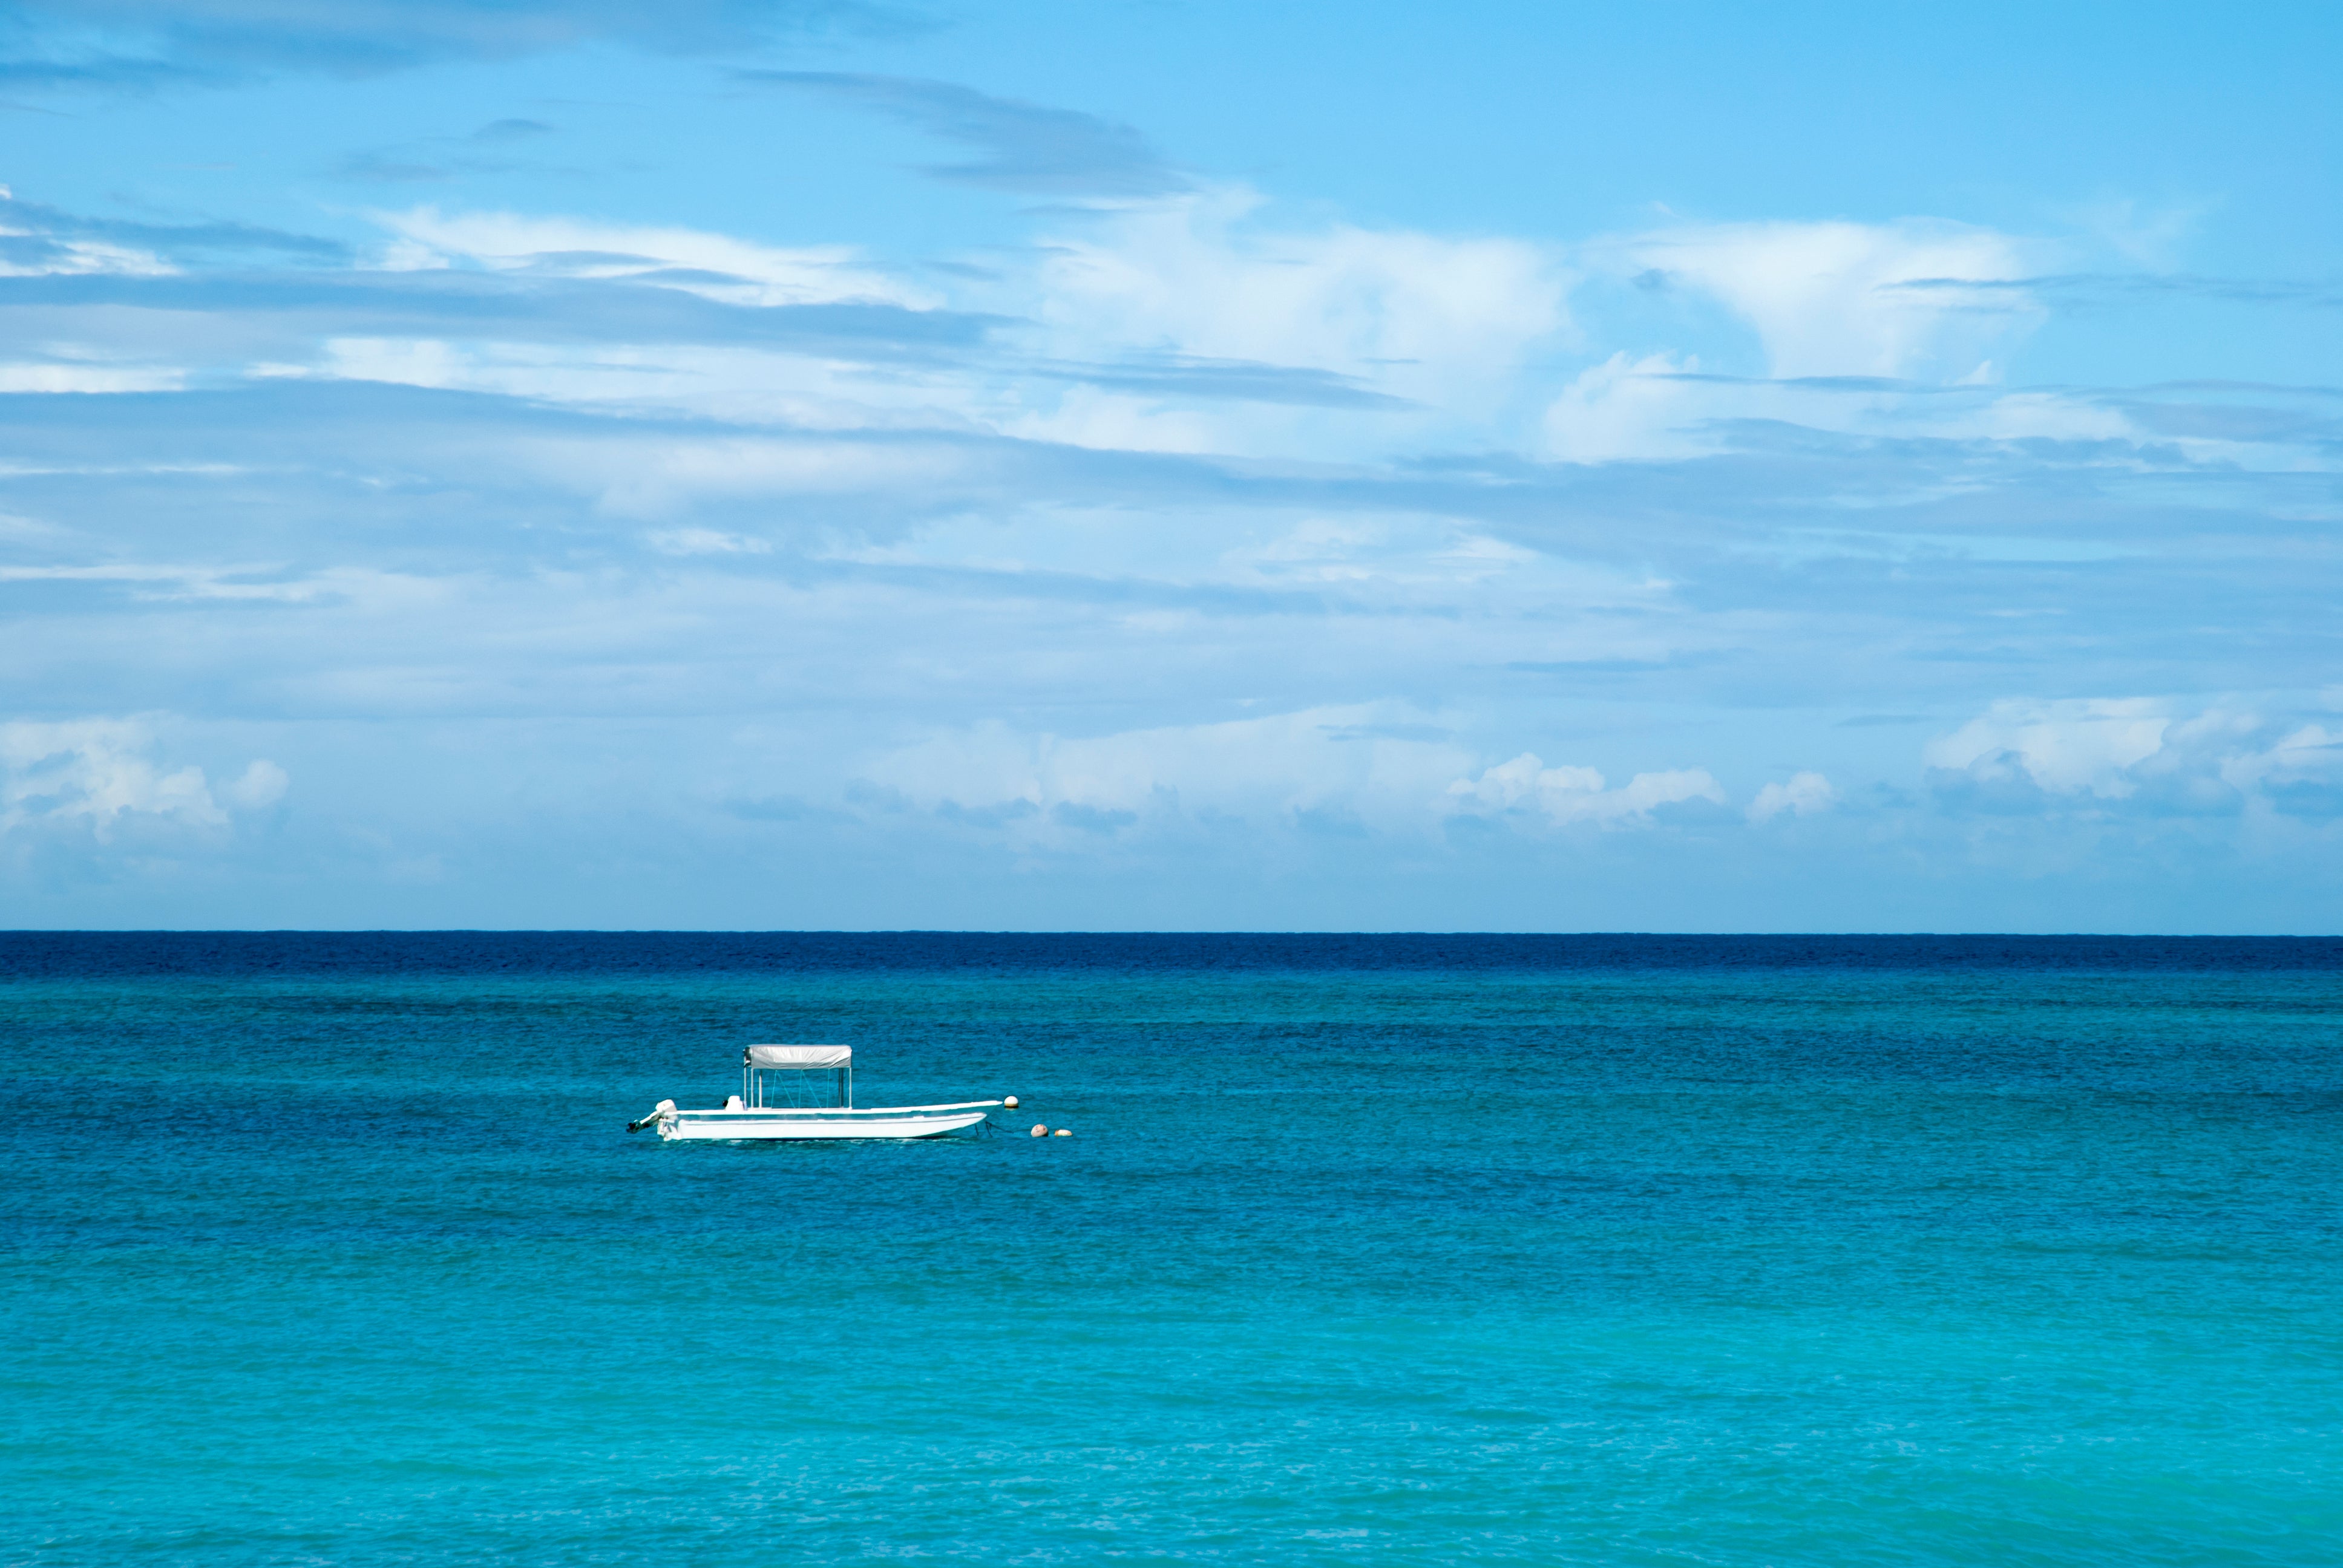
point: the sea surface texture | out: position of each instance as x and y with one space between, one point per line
1410 1249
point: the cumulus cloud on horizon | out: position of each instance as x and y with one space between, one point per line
2141 755
91 774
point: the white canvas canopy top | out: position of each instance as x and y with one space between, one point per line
804 1057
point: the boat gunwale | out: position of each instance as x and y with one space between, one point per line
837 1111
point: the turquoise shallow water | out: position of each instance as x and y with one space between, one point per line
1366 1251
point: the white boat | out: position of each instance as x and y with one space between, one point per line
780 1097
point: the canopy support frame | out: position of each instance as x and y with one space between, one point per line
752 1079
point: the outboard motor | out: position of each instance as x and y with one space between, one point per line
661 1112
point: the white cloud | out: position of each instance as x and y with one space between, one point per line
1911 300
653 479
67 374
735 383
2078 746
1187 311
1193 325
1428 557
1626 408
1209 328
1190 276
705 542
1567 795
1374 762
744 272
94 771
2032 417
262 783
82 256
2142 755
2303 768
1852 298
743 381
1440 321
1806 795
2143 235
161 582
404 361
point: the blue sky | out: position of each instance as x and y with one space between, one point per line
1656 467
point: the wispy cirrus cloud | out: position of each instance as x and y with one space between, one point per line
143 45
2082 289
1017 146
36 237
692 259
489 149
1234 380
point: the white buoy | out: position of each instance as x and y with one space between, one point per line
1039 1131
1011 1103
1065 1132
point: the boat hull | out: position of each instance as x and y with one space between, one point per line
797 1126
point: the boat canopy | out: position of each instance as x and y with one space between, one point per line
799 1056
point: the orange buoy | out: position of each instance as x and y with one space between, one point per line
1065 1132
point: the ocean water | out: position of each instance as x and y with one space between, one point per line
1606 1251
